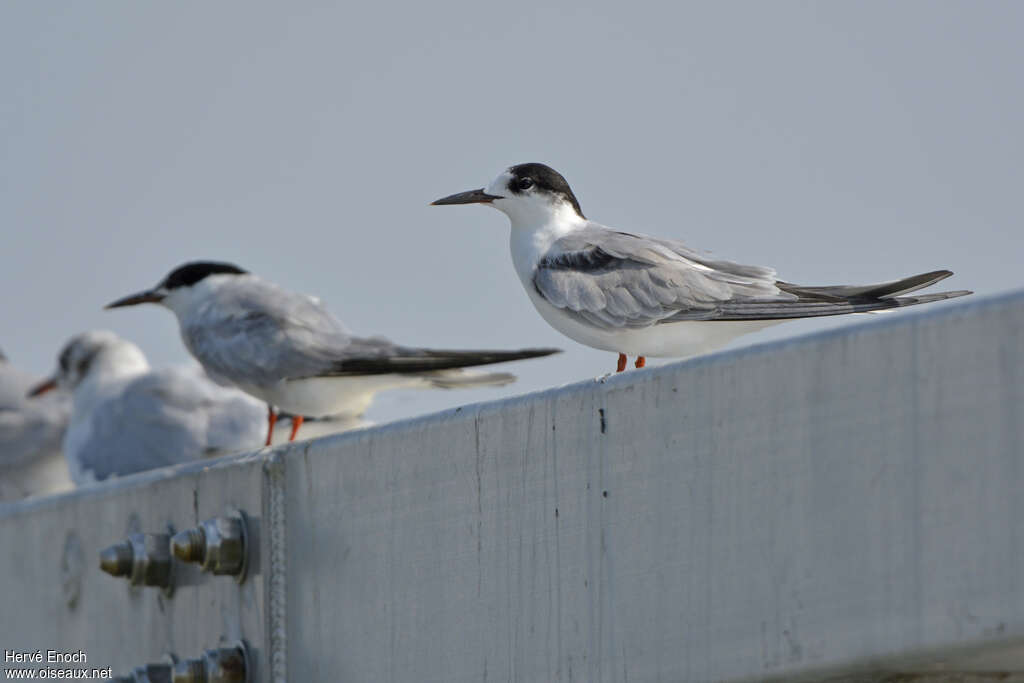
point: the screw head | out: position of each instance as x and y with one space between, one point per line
116 560
143 558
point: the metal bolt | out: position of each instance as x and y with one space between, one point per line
217 545
116 560
143 558
189 545
220 665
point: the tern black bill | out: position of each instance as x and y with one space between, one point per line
147 297
477 196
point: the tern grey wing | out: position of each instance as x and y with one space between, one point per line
165 418
613 279
135 431
227 419
376 356
261 334
811 302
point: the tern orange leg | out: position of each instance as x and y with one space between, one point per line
622 363
641 361
271 421
296 423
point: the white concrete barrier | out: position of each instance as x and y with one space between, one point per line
845 504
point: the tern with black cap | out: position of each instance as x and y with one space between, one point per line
643 296
288 350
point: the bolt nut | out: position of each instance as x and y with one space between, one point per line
219 665
217 545
143 559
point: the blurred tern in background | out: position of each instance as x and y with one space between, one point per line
127 418
286 349
645 296
31 462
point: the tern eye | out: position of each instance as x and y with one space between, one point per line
524 183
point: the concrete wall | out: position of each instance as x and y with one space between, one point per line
838 504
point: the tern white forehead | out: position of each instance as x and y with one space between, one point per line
534 193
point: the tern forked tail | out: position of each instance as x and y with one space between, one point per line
405 361
880 290
465 379
810 302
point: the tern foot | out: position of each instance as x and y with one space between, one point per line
622 363
641 361
271 421
296 423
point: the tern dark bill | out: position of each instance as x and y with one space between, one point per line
468 197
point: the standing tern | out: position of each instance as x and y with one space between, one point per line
127 418
642 296
31 462
286 349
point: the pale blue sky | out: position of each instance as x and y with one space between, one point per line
840 143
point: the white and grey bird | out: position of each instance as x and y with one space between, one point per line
127 417
642 296
31 462
288 350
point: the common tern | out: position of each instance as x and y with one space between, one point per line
642 296
288 350
129 418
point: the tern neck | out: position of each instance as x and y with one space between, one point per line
533 234
549 216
